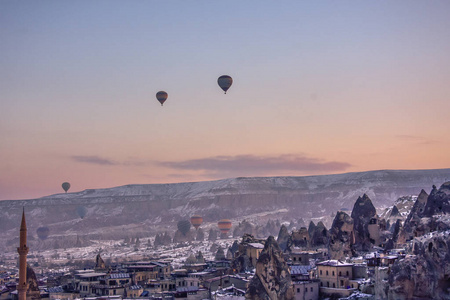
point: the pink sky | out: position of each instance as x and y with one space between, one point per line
318 88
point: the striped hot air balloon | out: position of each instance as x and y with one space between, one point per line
161 96
196 221
224 226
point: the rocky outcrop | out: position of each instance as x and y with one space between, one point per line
438 201
283 237
427 216
272 278
363 211
341 236
99 263
33 285
425 274
413 218
394 212
318 236
242 262
298 239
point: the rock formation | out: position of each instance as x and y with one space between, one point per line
283 237
33 286
424 273
99 263
298 239
394 212
437 202
363 211
318 236
272 279
242 262
341 236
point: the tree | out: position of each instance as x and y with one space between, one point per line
220 254
200 235
212 235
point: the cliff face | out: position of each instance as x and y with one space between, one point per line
272 279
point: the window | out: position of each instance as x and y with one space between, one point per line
342 282
320 272
328 284
321 284
306 289
340 273
298 290
347 273
334 285
327 273
333 273
311 289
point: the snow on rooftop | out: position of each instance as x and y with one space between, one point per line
256 245
333 262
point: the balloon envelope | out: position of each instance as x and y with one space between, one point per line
81 211
196 221
42 232
161 96
65 186
224 225
225 82
184 226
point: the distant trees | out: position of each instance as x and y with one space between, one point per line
162 239
220 254
212 236
200 235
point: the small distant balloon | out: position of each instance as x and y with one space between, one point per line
81 211
66 186
42 232
162 97
225 82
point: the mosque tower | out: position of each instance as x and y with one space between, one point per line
23 251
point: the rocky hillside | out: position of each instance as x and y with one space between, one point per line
143 210
424 272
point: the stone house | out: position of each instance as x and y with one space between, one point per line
306 289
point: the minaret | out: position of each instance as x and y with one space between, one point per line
23 251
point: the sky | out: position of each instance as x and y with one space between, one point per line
319 87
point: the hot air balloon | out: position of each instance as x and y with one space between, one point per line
81 211
224 226
196 221
65 186
42 232
184 226
161 96
225 82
